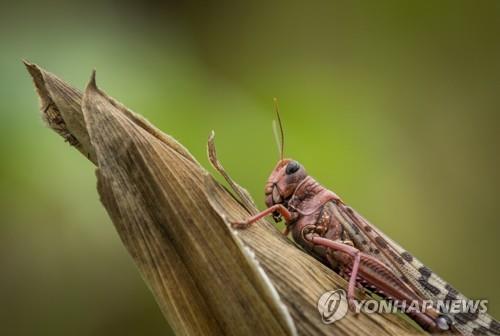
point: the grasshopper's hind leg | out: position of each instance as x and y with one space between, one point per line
348 249
380 276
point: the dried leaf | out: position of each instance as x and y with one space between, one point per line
242 194
173 218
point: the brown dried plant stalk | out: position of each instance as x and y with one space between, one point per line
173 216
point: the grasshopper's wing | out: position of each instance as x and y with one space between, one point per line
426 283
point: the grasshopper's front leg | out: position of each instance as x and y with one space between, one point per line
287 216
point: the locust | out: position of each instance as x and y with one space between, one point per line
326 227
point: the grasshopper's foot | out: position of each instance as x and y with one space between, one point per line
352 305
240 225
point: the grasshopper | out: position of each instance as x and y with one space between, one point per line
323 225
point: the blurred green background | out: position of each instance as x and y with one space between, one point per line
393 105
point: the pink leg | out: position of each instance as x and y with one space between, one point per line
277 207
427 320
352 279
352 251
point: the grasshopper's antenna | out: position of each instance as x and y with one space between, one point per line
279 137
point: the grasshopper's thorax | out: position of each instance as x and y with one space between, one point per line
308 196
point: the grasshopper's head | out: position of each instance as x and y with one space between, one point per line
286 176
283 182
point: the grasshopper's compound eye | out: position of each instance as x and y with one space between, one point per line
292 167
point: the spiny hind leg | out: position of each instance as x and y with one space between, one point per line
341 247
429 320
